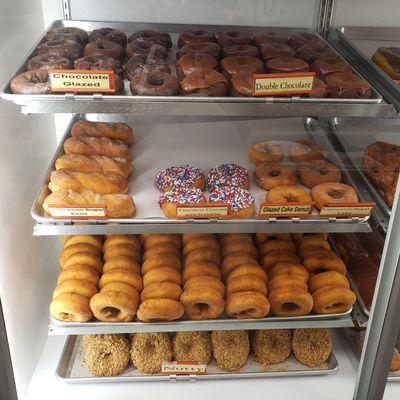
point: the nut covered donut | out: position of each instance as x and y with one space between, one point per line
35 81
241 201
305 150
314 172
49 61
270 174
192 346
268 151
328 193
181 176
155 83
228 175
288 194
169 201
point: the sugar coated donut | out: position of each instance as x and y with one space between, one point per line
276 245
228 175
248 270
314 172
285 281
162 274
163 248
81 272
203 254
80 286
234 260
159 310
333 299
324 262
84 258
239 247
77 248
275 257
241 201
154 239
114 240
328 193
180 176
122 250
201 281
290 302
71 307
161 290
200 268
270 175
95 241
328 278
122 275
247 305
192 346
200 243
263 237
121 262
314 240
265 152
246 283
305 150
289 269
204 303
288 194
170 200
120 287
161 260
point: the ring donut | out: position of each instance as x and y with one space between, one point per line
77 248
243 283
160 310
234 260
162 274
328 193
200 243
95 241
237 247
298 237
200 268
161 290
122 275
228 238
314 241
247 305
288 194
248 270
88 259
328 278
275 257
310 251
121 262
267 151
285 281
204 303
122 250
290 302
163 248
324 262
153 239
276 245
80 286
203 254
271 175
114 240
112 306
80 272
333 299
263 237
305 150
188 237
289 270
314 172
162 260
71 307
119 287
202 281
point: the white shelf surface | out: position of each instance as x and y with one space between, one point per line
45 386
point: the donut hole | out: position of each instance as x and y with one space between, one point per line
289 306
110 312
335 194
323 171
156 80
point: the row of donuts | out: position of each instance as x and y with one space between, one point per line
94 169
229 349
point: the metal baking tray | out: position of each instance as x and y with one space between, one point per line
163 142
71 369
362 42
188 105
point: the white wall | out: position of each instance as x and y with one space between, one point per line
27 264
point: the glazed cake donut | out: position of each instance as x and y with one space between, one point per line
333 193
315 172
228 174
141 64
270 175
202 303
202 281
199 243
238 247
265 152
324 262
203 254
35 81
247 305
276 245
99 62
155 83
163 248
78 286
248 270
328 278
122 262
156 37
245 283
154 239
160 310
288 194
170 200
180 176
69 33
71 307
161 290
275 257
305 150
233 38
244 50
285 281
233 260
289 270
200 268
162 274
333 299
290 302
241 201
112 306
192 346
67 49
190 36
113 35
161 260
49 61
80 272
212 49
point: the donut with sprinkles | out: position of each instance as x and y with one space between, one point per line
228 175
168 201
180 176
240 200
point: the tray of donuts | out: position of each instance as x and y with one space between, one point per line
189 356
152 280
168 60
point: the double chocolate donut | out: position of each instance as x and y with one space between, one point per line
113 35
99 63
104 47
275 49
162 38
48 61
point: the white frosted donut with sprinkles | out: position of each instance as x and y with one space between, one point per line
228 175
240 200
169 201
180 176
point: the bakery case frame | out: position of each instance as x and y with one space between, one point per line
383 324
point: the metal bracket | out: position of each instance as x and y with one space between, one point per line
324 17
66 6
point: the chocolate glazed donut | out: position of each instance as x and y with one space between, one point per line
140 64
155 84
35 81
234 65
69 33
145 48
68 49
162 38
100 63
195 36
104 47
240 50
114 35
273 50
205 83
212 49
48 61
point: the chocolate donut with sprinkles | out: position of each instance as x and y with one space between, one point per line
182 176
169 201
241 201
228 175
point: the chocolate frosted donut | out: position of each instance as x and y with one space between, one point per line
49 61
69 33
194 62
100 63
145 48
233 37
35 81
348 86
310 52
238 64
240 50
319 90
299 39
140 64
325 66
242 84
205 83
286 64
162 38
195 36
67 49
104 47
213 49
274 49
269 37
155 84
113 35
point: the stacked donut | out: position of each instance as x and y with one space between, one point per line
161 271
204 293
81 265
246 290
328 284
121 282
94 170
287 283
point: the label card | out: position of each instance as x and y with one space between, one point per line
61 212
283 84
347 210
214 210
82 81
183 368
288 210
